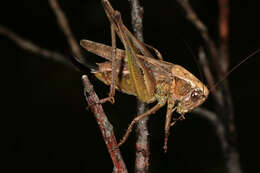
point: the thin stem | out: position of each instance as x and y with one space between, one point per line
32 47
142 142
220 57
64 25
224 34
202 28
231 153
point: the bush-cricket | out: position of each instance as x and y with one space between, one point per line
135 71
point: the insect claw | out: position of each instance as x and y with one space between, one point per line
107 99
102 101
87 108
174 122
182 117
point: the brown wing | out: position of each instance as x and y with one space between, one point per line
160 69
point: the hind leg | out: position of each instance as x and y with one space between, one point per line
138 118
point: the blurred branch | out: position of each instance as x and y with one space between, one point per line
142 142
105 126
224 34
223 121
215 122
202 28
91 97
32 47
227 109
64 25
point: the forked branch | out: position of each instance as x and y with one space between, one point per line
223 120
202 28
105 126
64 25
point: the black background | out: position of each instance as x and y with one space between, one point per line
44 126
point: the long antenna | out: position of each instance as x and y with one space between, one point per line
234 68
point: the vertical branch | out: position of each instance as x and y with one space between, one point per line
223 100
202 28
231 154
104 125
224 34
142 143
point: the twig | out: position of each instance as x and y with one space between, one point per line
224 34
91 97
64 25
32 47
231 152
217 124
137 19
192 16
104 125
220 58
142 142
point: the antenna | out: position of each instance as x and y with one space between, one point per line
234 68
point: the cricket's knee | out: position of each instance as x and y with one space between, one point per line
117 16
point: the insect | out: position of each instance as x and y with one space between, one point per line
137 72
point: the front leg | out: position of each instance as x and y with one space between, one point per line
141 77
171 107
111 97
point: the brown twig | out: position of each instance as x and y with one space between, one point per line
225 112
231 152
224 34
64 25
142 142
232 156
104 125
32 47
202 28
91 97
216 123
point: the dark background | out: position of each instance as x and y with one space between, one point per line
45 127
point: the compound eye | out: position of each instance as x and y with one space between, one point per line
195 95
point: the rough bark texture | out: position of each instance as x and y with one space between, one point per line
142 141
215 52
105 126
